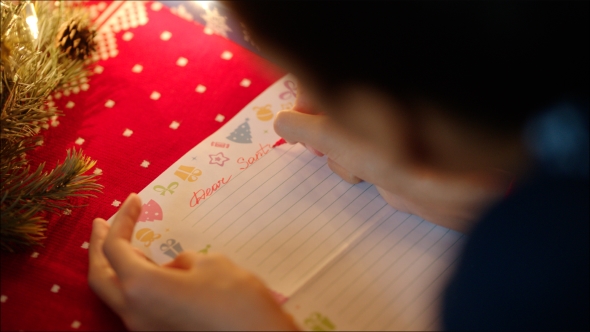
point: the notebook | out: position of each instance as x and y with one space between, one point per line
334 254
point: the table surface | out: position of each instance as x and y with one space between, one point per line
166 77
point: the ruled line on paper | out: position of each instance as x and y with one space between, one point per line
374 264
395 280
342 241
311 220
285 259
245 183
252 179
415 258
279 201
254 189
414 280
422 313
446 270
277 187
304 226
259 210
285 226
434 322
365 236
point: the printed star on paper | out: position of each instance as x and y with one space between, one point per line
215 22
145 163
97 171
80 141
219 118
116 203
85 245
70 104
55 288
218 159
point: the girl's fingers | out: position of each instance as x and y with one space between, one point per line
117 246
101 277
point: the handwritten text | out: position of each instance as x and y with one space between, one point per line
201 194
264 149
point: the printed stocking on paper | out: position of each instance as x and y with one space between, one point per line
241 134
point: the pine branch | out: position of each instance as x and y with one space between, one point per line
32 69
27 195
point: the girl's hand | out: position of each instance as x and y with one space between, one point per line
193 292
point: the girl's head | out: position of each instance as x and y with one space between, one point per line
453 71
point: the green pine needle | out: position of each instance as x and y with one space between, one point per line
31 71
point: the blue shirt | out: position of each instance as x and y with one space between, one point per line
525 265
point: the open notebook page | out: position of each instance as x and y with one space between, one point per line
391 278
286 217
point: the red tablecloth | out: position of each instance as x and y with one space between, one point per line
158 90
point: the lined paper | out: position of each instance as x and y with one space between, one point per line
390 279
286 217
344 258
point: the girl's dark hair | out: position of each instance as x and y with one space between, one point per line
488 63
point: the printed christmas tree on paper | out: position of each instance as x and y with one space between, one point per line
151 211
241 134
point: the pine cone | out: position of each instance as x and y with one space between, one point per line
76 40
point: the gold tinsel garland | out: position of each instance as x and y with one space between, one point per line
33 67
